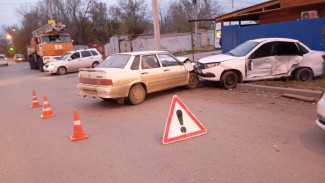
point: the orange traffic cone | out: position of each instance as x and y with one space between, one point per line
35 101
47 112
78 133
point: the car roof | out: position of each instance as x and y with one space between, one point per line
141 52
273 39
88 49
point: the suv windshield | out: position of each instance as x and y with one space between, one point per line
65 56
242 49
115 61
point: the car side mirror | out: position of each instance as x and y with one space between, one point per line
69 59
182 63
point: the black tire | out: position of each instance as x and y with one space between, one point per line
95 64
40 64
229 80
61 70
137 94
193 81
304 74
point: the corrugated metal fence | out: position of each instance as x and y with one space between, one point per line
308 32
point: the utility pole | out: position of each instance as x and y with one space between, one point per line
48 3
195 25
156 26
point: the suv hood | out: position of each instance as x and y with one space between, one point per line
216 58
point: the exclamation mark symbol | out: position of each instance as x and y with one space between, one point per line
180 119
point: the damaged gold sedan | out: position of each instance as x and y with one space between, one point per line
132 75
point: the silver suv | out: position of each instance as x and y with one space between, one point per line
73 60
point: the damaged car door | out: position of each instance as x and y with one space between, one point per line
260 62
287 55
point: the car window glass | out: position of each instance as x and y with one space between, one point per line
85 54
93 52
243 49
303 49
264 51
135 64
115 61
2 57
149 62
287 48
167 60
75 55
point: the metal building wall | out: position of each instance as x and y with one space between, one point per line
308 32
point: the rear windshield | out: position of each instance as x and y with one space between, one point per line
115 61
19 55
243 49
2 57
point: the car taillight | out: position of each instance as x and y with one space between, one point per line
105 82
323 57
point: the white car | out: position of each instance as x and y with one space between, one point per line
260 59
73 60
321 112
134 74
3 60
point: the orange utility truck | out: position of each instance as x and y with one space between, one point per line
48 43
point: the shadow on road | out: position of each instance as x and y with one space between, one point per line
314 140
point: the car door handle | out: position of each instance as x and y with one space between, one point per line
79 60
166 70
144 73
267 60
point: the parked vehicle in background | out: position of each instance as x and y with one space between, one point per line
321 112
73 60
259 59
132 75
19 58
3 60
48 43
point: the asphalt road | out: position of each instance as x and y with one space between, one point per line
252 136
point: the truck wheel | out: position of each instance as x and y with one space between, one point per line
229 80
40 64
61 70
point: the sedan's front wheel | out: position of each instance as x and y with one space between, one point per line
229 80
137 94
193 81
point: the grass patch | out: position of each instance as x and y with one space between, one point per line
317 84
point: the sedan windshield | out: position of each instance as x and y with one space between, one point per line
242 49
115 61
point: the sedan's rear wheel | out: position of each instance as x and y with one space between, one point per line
304 74
137 94
61 70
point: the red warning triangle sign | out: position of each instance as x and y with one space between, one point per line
181 123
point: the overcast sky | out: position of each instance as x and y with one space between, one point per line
9 15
